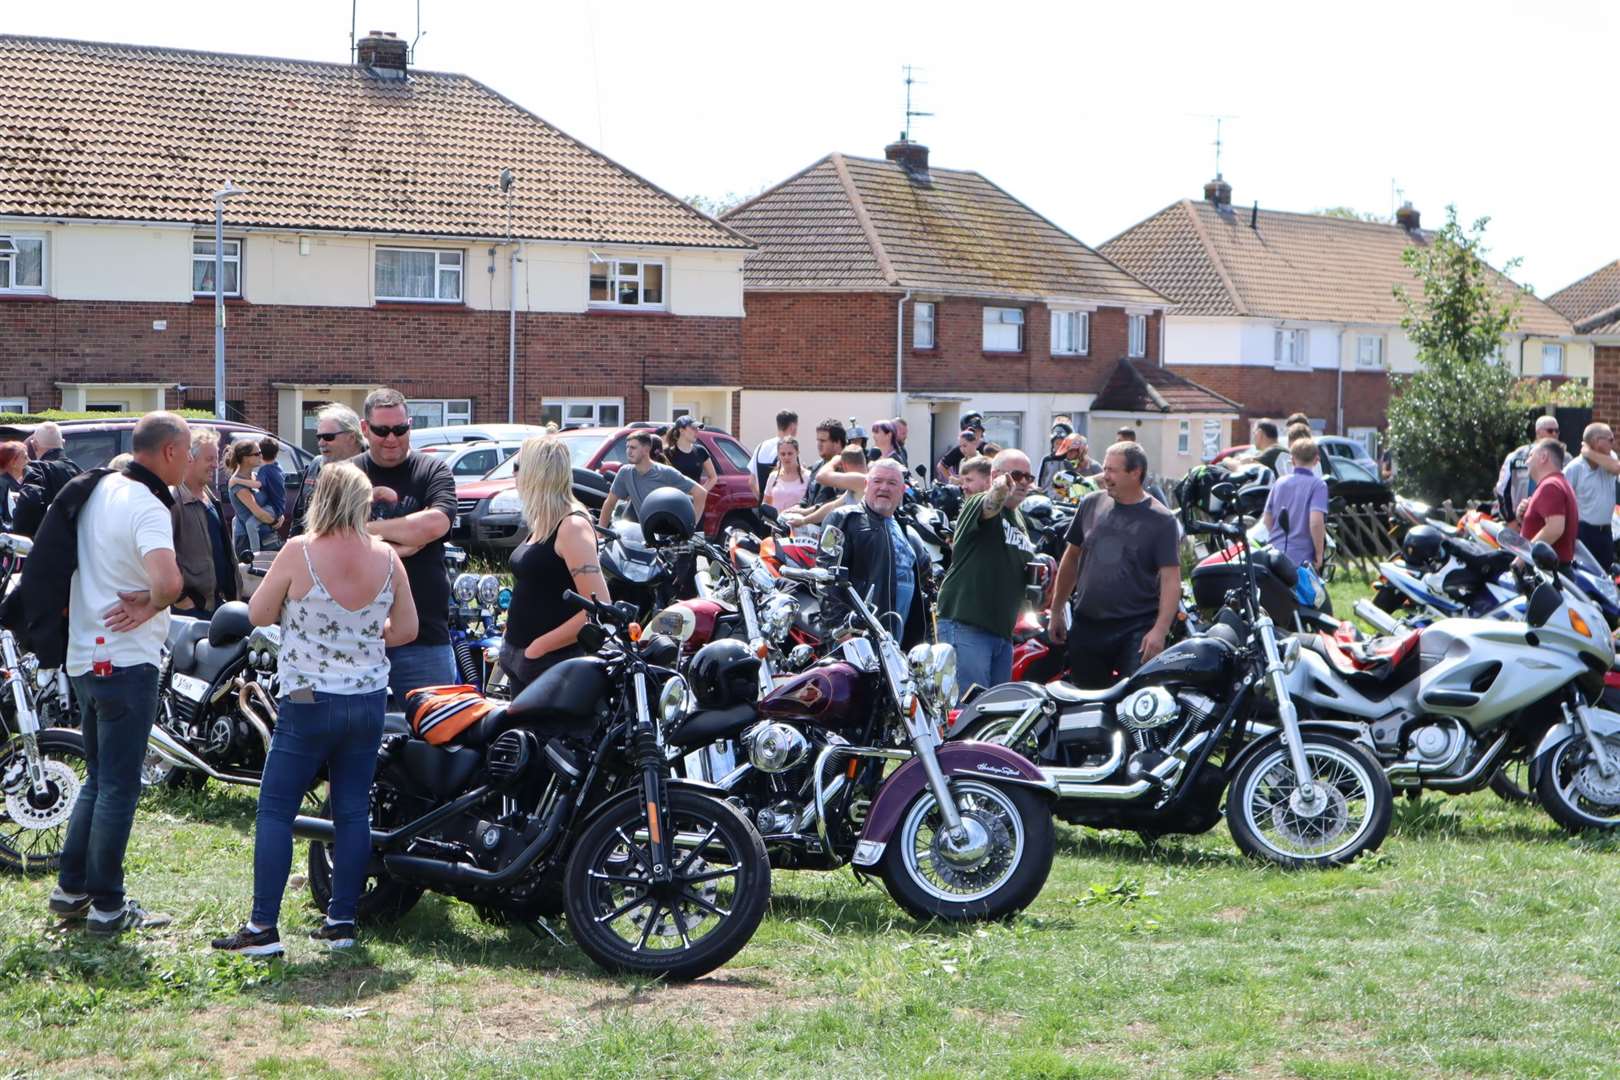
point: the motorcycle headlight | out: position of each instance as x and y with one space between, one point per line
489 590
776 617
934 668
465 588
506 502
675 702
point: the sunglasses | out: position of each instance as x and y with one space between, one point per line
397 430
328 436
1018 476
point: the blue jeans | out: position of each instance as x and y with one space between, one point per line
981 657
414 666
115 714
342 732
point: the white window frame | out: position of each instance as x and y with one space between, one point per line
1073 339
1557 367
440 265
1291 348
230 260
17 405
1183 436
8 263
924 317
572 411
999 317
994 419
456 412
616 277
1376 343
1136 336
1367 437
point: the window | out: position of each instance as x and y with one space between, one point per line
627 283
922 326
1291 348
1137 344
579 413
22 263
14 405
477 462
1003 329
202 267
1184 437
1552 359
1071 333
1349 470
735 453
1212 439
417 274
1367 437
1369 351
439 412
1005 429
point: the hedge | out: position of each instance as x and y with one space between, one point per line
58 414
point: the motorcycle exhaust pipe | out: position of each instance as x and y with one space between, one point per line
1071 784
323 831
1381 621
440 872
176 754
250 710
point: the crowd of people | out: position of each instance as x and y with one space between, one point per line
1559 497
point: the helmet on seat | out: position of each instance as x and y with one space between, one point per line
667 517
724 673
1422 545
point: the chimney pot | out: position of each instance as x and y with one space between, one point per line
1407 217
911 156
384 53
1218 192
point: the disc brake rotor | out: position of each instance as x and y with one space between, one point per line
37 812
971 877
1592 785
1313 829
687 916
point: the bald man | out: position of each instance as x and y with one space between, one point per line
1513 483
46 475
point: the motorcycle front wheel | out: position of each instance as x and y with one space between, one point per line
1011 840
1269 820
630 923
1573 790
33 824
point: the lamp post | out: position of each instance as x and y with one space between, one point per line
230 190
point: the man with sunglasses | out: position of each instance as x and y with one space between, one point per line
983 590
414 504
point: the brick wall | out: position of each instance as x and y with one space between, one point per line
824 340
1269 394
1606 385
424 352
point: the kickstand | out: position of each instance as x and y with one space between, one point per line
537 924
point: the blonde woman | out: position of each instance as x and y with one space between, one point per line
559 554
342 598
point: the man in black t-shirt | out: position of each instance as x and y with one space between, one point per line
414 504
830 441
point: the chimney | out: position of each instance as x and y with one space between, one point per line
1219 192
383 53
1407 217
912 156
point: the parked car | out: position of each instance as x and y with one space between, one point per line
469 462
429 437
1340 447
1356 479
490 516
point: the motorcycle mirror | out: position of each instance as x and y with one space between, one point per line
1543 603
592 636
922 471
1543 555
831 543
769 512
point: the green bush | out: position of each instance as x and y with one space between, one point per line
58 414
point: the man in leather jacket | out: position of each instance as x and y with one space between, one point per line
882 557
46 476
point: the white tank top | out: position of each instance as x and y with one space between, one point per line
327 647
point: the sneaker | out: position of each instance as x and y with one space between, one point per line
336 935
129 917
66 905
249 942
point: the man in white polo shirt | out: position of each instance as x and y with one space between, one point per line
118 619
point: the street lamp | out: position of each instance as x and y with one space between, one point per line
230 190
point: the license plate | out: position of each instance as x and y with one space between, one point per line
192 689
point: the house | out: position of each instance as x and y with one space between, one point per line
893 287
1178 422
1593 305
396 226
1284 311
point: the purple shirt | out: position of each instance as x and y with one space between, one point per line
1294 497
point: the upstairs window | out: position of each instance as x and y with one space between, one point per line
1071 333
22 264
922 326
1136 345
1369 351
1552 359
202 267
1291 349
1003 329
439 412
627 283
418 274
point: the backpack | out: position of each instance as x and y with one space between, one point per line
439 713
37 610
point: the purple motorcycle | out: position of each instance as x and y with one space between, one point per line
844 763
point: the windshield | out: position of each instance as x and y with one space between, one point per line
581 448
1346 469
1510 540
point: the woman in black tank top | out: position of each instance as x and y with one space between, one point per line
560 554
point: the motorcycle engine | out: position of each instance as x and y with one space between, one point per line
1434 744
773 747
1148 708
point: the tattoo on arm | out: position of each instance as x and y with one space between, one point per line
588 568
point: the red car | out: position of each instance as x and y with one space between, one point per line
485 519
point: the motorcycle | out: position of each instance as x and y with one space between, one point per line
1156 751
476 605
42 767
655 875
957 831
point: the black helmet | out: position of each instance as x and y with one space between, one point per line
1422 545
724 673
667 517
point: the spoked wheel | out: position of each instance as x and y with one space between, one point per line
994 871
1573 789
1511 783
33 824
630 922
1271 820
383 897
158 773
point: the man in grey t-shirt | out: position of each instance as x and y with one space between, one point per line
642 476
1592 474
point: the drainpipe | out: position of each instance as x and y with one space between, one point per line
511 333
1338 407
899 353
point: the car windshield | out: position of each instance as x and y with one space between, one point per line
1349 469
581 448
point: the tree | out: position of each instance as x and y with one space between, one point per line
1453 422
715 206
1350 213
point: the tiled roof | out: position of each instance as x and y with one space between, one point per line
129 132
1592 303
1210 261
1147 388
848 222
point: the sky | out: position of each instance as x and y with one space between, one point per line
1097 115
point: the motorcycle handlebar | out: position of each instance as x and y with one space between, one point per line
619 614
1215 528
816 575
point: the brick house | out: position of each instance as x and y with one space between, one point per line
373 244
1284 311
890 287
1593 305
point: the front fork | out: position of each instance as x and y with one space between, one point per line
654 791
27 720
1579 722
1287 715
925 741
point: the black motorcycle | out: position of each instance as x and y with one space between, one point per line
561 803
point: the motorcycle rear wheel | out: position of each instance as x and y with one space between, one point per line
1564 787
34 828
383 897
1266 823
1511 782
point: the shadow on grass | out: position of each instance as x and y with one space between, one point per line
871 910
1087 843
1440 816
213 803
